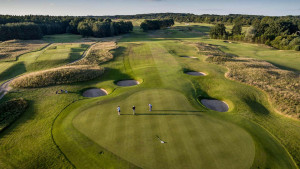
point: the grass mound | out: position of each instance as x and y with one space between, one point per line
10 50
281 85
99 53
11 110
61 75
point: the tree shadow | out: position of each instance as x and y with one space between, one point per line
257 107
23 118
13 71
44 64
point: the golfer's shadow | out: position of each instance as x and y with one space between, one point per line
183 113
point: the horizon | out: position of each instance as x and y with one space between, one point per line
136 7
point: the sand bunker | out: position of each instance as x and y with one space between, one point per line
196 73
192 57
216 105
127 83
94 92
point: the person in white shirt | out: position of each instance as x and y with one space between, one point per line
119 110
150 107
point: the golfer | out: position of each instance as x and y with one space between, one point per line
150 107
119 110
133 109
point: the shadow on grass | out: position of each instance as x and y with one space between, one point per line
45 64
23 118
163 114
168 114
179 110
13 71
257 107
284 67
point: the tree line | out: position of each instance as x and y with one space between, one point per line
213 19
35 26
156 24
279 34
104 28
23 30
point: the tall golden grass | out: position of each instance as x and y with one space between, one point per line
283 86
56 76
11 49
99 53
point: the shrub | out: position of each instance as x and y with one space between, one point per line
297 48
11 110
61 75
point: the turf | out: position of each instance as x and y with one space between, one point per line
52 56
88 133
193 138
152 62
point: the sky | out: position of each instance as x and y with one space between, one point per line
128 7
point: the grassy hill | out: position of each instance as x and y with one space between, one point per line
69 130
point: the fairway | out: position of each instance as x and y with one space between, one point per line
164 68
195 136
51 55
193 139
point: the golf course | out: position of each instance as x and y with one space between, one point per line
202 117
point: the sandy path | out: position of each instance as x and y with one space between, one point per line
85 53
4 88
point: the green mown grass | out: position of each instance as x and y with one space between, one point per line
89 134
53 56
152 63
194 140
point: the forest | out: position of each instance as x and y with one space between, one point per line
34 26
279 32
156 24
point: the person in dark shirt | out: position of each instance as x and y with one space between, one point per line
133 109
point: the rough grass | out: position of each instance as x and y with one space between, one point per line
152 62
10 111
10 50
55 55
56 76
282 85
99 53
141 57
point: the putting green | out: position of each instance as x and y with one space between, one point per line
194 140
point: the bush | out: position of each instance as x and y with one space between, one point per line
11 110
61 75
297 48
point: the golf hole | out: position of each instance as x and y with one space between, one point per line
196 73
127 83
94 92
216 105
